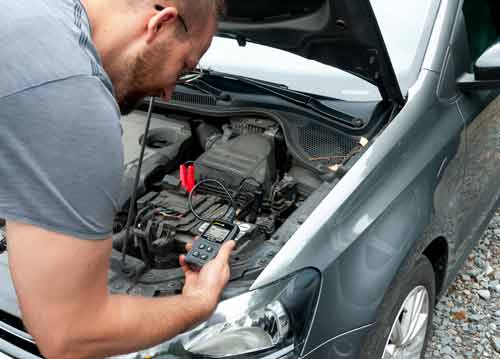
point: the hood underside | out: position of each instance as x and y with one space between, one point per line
339 33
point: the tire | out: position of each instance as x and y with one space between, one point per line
410 281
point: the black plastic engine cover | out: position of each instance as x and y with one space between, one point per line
244 157
165 142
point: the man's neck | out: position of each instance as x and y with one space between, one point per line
112 30
96 11
115 31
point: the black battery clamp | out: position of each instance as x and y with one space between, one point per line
213 237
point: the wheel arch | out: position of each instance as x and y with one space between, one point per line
437 251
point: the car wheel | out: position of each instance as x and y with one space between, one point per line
403 326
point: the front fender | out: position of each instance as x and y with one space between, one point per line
378 214
354 285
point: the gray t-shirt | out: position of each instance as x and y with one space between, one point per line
61 155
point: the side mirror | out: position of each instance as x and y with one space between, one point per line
486 74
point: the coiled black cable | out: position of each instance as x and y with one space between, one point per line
221 185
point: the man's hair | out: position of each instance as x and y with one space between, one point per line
215 7
195 11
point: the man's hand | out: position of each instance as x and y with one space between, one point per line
208 283
67 277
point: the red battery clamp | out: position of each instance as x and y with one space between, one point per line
187 177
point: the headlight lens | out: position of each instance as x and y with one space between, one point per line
254 324
258 330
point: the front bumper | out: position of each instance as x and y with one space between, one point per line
10 351
344 346
4 356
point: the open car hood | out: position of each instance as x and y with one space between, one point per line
341 33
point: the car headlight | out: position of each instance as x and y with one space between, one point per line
260 329
269 320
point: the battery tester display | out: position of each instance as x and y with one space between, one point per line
207 247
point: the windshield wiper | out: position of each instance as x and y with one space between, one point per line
286 94
208 89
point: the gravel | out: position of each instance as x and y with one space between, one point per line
467 319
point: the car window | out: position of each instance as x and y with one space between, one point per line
483 28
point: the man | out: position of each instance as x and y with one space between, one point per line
63 65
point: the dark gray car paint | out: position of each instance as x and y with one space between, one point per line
356 279
347 345
397 211
432 173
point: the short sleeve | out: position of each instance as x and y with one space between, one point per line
61 157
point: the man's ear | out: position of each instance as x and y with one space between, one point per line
159 20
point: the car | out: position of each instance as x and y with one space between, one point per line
353 143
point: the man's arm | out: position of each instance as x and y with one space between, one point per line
61 284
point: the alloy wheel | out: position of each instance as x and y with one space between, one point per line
408 332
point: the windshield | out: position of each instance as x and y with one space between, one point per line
405 25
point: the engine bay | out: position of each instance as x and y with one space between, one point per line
245 158
240 169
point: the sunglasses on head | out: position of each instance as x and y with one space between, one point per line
186 76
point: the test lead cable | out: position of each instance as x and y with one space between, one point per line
136 182
230 208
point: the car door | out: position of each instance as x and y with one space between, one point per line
481 113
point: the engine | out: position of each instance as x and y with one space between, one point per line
236 177
239 159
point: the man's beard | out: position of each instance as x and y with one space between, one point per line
137 81
131 100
